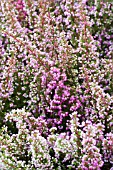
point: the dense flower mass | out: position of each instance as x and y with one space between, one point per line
56 85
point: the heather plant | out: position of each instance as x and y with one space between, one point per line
101 17
26 149
56 89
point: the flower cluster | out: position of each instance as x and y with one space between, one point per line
56 89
